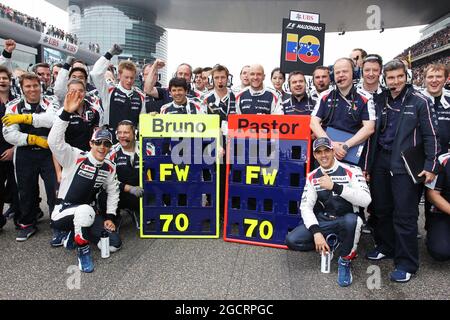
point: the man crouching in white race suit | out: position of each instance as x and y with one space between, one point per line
84 175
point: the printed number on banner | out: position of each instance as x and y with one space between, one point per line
307 49
181 222
265 228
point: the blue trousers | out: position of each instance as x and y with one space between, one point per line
395 203
347 227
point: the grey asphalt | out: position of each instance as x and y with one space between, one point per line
166 269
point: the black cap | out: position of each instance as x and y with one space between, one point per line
322 142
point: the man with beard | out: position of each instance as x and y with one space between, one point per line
299 103
321 81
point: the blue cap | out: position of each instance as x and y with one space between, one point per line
102 134
322 142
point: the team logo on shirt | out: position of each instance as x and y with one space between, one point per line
87 168
85 174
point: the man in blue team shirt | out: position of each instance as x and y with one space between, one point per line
299 103
178 88
345 108
405 119
256 99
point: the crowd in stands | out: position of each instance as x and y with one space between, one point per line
437 40
21 18
41 26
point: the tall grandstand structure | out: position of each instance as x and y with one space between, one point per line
434 47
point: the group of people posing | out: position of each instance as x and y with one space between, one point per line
79 135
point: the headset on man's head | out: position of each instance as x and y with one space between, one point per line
127 123
229 75
398 64
356 74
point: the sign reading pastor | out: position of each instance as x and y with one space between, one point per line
302 46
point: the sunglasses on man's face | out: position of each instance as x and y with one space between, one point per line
105 143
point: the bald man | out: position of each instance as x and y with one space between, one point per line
256 99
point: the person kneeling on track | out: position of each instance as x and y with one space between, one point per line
83 176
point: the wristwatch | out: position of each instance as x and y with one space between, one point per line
345 147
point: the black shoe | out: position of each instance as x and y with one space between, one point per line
24 233
9 213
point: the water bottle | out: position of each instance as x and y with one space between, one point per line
325 262
104 244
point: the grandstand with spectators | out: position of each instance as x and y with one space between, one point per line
434 47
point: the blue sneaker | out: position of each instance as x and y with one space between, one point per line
69 241
85 262
58 238
400 276
376 254
345 277
25 232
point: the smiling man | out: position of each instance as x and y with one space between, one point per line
299 103
405 119
435 76
345 108
84 175
329 205
321 81
371 71
123 101
125 154
178 88
26 125
256 99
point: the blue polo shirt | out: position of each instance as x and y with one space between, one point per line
293 106
344 113
389 120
